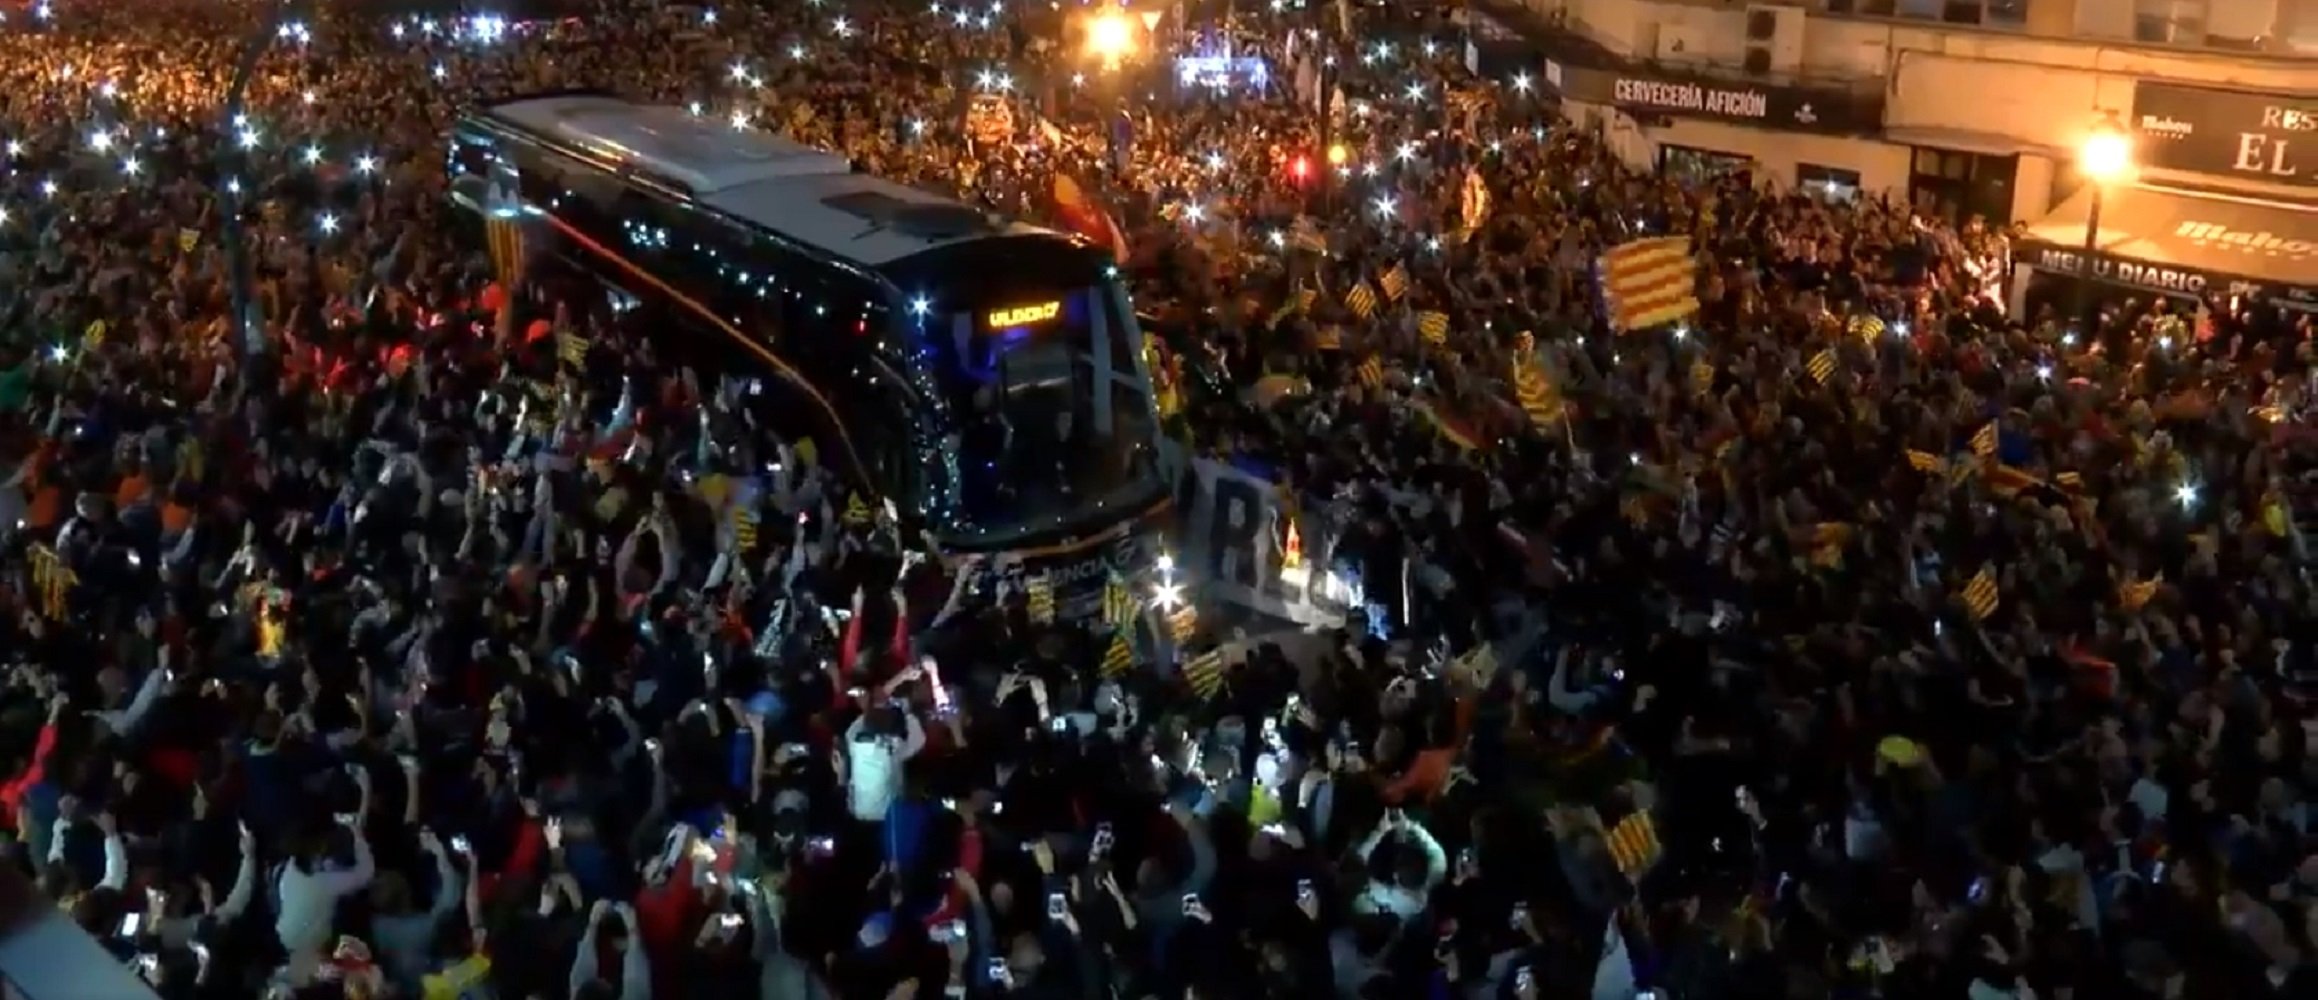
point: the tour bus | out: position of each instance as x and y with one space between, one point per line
984 375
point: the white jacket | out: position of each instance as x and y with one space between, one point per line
873 767
307 902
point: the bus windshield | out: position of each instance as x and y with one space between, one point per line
1052 418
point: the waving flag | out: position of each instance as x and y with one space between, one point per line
1082 214
1649 282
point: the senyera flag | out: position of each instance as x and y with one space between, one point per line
1649 282
1083 215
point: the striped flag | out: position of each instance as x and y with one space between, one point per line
1980 598
1371 372
744 529
1183 622
504 230
1822 366
2074 482
1118 601
1633 844
52 583
1867 327
1434 327
1984 440
1394 283
1361 300
1535 391
94 336
572 348
1926 462
1702 377
857 513
1119 657
1328 338
1205 674
1472 200
1649 282
1039 598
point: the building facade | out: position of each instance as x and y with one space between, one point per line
1968 109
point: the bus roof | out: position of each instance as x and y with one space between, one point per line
810 196
700 155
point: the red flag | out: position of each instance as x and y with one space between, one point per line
1082 214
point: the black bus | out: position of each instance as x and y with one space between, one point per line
984 375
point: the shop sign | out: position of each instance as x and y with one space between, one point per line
1799 107
2272 138
2157 277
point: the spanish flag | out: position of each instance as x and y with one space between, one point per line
1451 429
1082 214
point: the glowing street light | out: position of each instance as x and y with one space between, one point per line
1110 36
2106 154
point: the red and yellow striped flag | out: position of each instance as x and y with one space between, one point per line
1649 282
1633 844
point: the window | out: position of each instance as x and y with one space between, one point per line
1927 10
2008 13
1961 12
2169 22
1829 184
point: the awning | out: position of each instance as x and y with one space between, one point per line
2183 243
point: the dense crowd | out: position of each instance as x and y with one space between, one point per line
1847 638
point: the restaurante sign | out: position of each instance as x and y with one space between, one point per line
2271 138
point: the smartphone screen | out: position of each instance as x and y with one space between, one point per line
1056 905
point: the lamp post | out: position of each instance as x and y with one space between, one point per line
2104 158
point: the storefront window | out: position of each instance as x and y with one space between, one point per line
1828 184
1691 164
1953 186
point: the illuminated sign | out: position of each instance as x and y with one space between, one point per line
1024 315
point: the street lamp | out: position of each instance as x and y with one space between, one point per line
1110 37
2104 158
